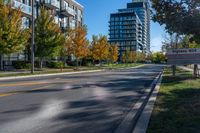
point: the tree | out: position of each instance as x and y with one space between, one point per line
13 38
158 57
114 53
128 56
49 38
173 41
100 48
181 17
132 56
77 44
140 57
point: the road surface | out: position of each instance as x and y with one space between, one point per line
79 103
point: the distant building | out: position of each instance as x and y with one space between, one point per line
130 27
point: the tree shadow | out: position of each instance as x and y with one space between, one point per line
177 112
21 110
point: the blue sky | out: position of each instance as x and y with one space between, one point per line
97 13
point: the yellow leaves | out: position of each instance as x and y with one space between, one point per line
129 56
193 45
114 53
12 37
100 48
77 43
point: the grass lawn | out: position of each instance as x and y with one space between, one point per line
68 69
177 108
115 66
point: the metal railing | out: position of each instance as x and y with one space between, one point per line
53 2
24 8
70 10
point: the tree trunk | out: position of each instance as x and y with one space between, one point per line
173 70
65 64
41 63
195 71
81 61
76 63
1 62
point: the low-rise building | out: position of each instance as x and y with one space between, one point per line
67 13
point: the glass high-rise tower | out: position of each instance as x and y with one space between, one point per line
130 27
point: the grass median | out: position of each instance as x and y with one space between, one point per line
68 69
177 108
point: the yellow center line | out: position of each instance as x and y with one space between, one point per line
23 84
34 89
24 91
5 95
33 83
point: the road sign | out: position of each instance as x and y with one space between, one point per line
183 56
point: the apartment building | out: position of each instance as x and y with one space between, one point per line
130 27
68 14
126 31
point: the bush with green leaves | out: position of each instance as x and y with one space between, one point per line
53 64
21 64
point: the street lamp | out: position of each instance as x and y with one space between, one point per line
33 39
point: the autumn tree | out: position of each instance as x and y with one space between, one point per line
100 48
114 53
49 37
140 57
125 56
77 44
158 57
129 56
13 38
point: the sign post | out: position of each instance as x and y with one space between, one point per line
184 57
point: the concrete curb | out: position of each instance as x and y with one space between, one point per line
130 120
52 74
133 67
143 121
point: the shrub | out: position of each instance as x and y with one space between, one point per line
58 64
21 64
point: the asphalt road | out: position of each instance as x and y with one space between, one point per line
80 103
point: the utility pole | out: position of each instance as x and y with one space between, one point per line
33 39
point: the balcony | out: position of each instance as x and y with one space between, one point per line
72 24
24 8
53 4
67 11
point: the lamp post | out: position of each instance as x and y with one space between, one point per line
33 39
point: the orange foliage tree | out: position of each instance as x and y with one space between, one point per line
100 48
129 56
114 53
77 44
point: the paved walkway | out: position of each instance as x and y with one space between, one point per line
186 68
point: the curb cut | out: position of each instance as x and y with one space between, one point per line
129 122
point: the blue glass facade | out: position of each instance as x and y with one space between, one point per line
130 27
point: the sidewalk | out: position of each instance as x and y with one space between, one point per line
14 72
186 68
190 69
